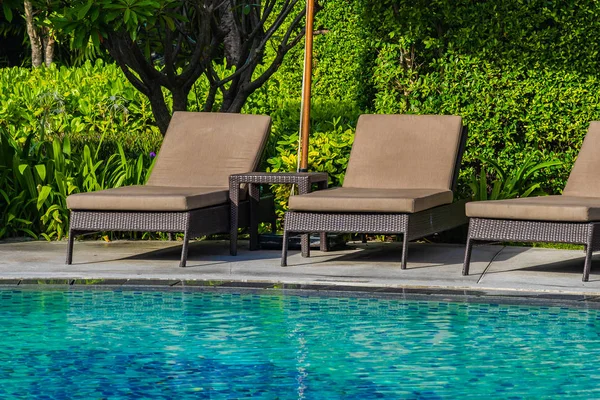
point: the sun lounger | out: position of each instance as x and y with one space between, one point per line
188 189
572 217
401 173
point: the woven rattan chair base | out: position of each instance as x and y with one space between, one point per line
193 223
411 226
585 233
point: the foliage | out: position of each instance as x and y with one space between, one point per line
37 177
516 182
85 104
95 106
329 149
341 57
523 75
168 45
65 131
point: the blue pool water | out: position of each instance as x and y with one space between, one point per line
125 344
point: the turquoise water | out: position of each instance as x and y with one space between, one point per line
104 344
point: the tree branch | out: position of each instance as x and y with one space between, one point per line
250 61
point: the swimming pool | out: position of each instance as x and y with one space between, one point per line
144 344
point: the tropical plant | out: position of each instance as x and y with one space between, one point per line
516 182
329 149
37 177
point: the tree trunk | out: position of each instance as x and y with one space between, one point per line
48 47
235 104
34 36
159 109
231 43
180 99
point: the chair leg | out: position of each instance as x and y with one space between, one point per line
305 244
170 235
467 261
363 238
588 263
404 249
254 199
70 247
284 249
233 238
324 246
184 249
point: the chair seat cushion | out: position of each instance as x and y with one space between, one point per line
149 198
544 208
344 199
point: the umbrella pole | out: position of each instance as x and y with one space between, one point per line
306 83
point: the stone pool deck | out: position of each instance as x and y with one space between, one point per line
495 270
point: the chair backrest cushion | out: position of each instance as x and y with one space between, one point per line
203 149
404 152
584 179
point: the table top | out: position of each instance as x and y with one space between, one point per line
268 177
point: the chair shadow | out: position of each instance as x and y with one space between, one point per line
206 253
206 250
391 253
574 265
568 266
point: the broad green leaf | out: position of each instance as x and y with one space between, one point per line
482 186
44 193
5 195
41 171
7 12
66 146
84 10
29 232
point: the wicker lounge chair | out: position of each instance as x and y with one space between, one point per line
400 177
188 190
572 217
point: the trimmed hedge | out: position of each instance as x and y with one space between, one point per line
524 76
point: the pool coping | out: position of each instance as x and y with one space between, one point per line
500 273
515 297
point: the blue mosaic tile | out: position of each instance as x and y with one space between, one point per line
137 344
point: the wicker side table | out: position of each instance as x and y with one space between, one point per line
303 180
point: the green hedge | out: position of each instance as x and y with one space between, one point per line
524 76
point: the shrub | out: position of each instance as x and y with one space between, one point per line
329 148
37 177
87 104
515 182
523 75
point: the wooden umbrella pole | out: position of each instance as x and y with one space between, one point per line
306 83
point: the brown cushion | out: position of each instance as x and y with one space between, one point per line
203 149
585 177
545 208
370 200
404 152
149 198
